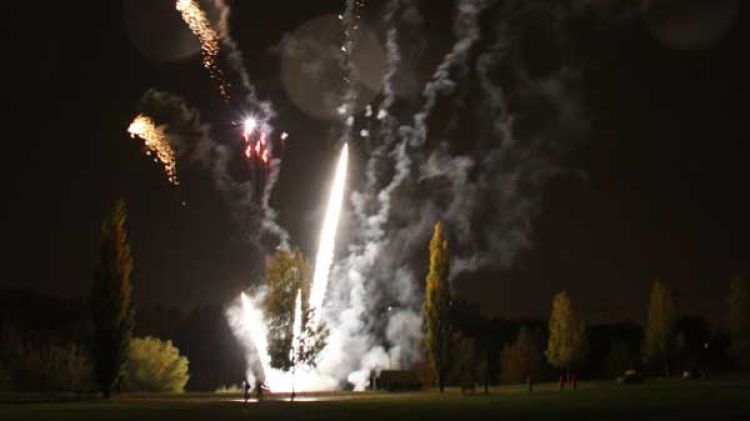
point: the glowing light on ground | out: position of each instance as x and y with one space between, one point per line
209 39
327 239
249 325
156 142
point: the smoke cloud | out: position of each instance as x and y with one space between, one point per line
486 182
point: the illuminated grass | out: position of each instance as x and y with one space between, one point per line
653 400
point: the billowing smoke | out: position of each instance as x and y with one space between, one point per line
480 169
486 184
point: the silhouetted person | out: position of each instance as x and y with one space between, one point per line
259 390
574 382
246 390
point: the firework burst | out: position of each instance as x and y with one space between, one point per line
255 136
209 39
156 142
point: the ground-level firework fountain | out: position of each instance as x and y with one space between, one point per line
248 322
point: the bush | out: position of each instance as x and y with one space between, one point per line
155 366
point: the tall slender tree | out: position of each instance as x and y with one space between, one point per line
659 341
567 335
437 306
739 320
111 303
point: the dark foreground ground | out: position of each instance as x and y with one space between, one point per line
673 400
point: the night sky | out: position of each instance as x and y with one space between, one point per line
658 187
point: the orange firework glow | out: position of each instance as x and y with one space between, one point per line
209 39
156 141
256 142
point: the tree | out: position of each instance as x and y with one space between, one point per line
287 275
739 320
111 304
523 358
467 360
659 340
437 306
155 366
567 335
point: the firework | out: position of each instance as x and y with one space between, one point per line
156 142
327 242
257 146
296 328
209 39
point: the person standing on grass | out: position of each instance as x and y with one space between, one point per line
246 390
259 390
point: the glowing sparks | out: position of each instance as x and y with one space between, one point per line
209 39
156 142
256 141
327 241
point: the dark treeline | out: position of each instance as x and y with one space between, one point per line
43 343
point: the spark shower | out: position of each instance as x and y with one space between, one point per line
248 321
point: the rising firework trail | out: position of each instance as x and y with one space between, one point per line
327 241
296 328
156 142
209 39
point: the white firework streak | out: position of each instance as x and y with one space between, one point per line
327 241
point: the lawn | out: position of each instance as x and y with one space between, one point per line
698 400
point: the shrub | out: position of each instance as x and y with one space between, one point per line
155 366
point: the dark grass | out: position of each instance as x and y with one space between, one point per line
661 400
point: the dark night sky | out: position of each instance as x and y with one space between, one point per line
663 193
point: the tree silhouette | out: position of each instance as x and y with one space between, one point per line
739 320
111 304
659 341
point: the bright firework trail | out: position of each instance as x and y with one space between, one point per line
199 24
327 241
255 326
157 143
296 328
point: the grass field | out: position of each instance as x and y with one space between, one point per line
695 400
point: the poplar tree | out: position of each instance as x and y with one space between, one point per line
739 320
111 302
437 306
659 340
567 335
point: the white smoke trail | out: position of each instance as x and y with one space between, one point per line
350 320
